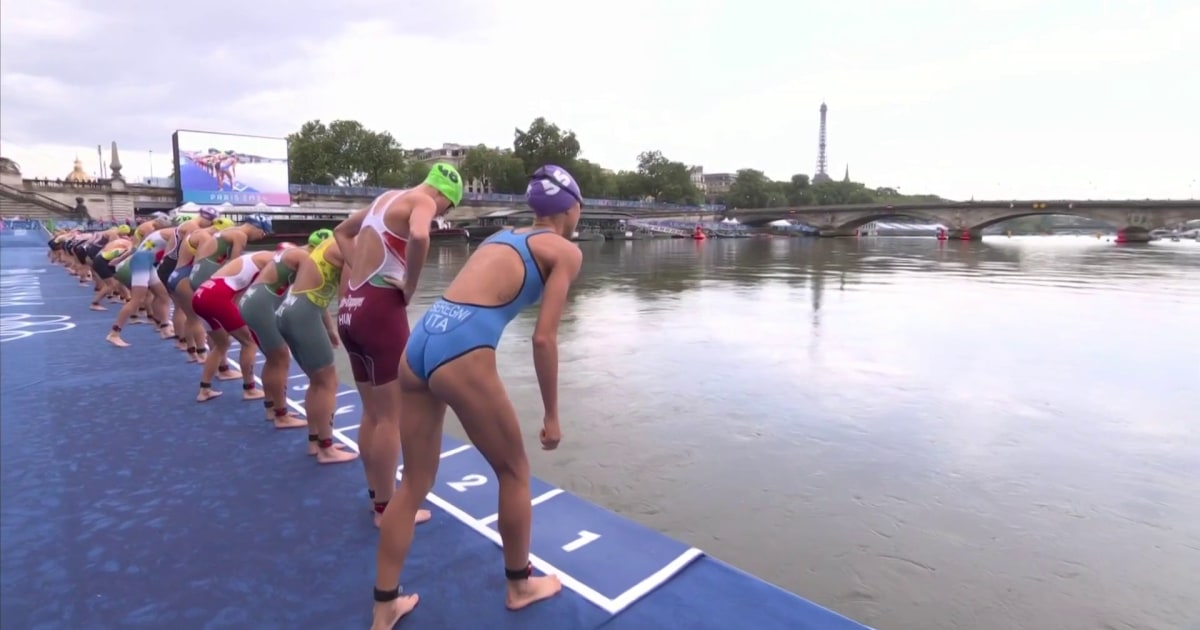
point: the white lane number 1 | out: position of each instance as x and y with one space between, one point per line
585 537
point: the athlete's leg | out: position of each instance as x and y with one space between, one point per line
102 288
246 356
366 440
383 443
319 402
274 378
424 415
160 308
473 389
127 311
219 340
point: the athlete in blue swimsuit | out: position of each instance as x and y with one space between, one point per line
450 360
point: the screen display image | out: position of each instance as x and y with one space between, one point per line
216 168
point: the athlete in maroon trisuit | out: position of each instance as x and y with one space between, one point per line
385 247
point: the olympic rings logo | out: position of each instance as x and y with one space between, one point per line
15 326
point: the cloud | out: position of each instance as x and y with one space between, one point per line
140 69
990 98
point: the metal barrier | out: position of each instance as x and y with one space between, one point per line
372 191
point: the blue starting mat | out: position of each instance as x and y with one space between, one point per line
126 504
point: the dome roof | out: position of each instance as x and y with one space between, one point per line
9 166
78 174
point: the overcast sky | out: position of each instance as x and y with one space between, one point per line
986 98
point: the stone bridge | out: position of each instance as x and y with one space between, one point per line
968 219
116 198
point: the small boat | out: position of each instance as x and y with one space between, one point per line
589 235
443 230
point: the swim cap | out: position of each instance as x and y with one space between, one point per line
161 218
180 219
259 221
124 230
445 179
223 223
318 237
209 213
552 191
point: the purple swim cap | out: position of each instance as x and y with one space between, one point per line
552 190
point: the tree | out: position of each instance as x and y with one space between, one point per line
414 173
594 181
753 189
344 153
667 181
545 143
798 191
309 155
499 169
841 193
630 186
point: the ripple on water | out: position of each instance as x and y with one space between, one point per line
957 435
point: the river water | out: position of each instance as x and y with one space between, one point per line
919 435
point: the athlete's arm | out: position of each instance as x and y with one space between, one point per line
419 219
345 232
331 328
237 243
129 251
568 259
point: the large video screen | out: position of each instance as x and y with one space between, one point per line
215 168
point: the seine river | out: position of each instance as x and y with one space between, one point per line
919 435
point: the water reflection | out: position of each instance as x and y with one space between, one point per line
918 434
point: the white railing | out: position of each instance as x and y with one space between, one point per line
662 229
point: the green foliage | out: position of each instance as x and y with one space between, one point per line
498 169
345 153
753 189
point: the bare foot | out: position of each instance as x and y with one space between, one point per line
253 394
388 614
116 340
289 422
229 375
334 455
522 593
206 395
422 516
97 307
314 448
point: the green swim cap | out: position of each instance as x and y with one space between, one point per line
318 237
445 179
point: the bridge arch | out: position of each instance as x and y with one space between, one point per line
1020 214
907 215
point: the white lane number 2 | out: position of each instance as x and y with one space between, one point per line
468 481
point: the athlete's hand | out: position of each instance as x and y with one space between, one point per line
409 292
551 433
333 339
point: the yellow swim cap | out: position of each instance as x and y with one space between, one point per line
124 230
445 179
223 224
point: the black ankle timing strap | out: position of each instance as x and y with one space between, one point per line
387 596
519 574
